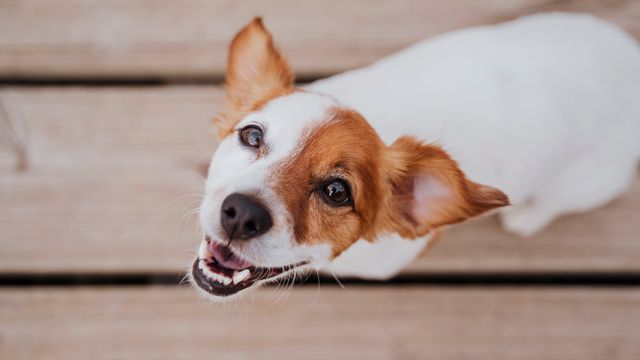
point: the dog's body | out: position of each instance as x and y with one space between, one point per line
545 108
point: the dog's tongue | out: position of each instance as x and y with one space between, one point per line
226 258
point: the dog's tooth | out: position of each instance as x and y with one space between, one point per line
221 279
226 281
239 276
204 253
217 278
209 274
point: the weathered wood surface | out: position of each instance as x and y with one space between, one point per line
188 38
356 323
114 170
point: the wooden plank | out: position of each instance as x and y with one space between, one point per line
360 322
114 170
149 38
112 173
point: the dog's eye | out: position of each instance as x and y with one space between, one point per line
251 136
337 192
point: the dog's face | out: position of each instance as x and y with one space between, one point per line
298 178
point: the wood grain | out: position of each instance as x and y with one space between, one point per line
356 323
114 172
188 38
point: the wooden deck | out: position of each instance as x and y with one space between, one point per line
115 172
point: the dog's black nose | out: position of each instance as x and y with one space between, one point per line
243 217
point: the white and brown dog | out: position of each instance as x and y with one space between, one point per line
350 173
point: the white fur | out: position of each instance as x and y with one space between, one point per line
545 108
380 260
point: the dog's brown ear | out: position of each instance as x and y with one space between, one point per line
427 189
255 70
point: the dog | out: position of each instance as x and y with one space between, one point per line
353 174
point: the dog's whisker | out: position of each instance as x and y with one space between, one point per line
282 284
277 296
184 279
180 197
187 215
172 202
337 280
315 298
290 285
191 204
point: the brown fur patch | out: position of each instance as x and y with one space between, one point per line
346 146
256 73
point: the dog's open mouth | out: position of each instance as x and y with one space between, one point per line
220 272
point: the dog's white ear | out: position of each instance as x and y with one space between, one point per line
255 70
427 189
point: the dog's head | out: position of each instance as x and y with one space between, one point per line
298 178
